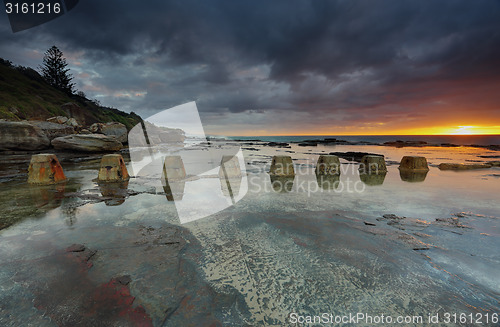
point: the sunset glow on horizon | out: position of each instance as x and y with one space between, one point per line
455 130
445 130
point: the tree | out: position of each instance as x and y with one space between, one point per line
81 94
5 62
54 70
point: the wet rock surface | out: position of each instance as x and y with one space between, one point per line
354 156
461 166
76 248
278 144
415 227
149 279
400 144
323 261
87 143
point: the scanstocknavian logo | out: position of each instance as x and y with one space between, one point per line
25 14
170 152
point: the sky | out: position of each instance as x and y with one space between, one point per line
284 67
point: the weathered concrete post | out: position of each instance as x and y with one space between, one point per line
173 168
282 166
45 169
172 178
230 176
113 169
413 169
414 163
328 165
229 167
282 174
372 165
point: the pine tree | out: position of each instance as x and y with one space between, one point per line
54 70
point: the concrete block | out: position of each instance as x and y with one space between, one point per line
230 167
372 165
45 169
328 165
113 169
414 163
173 168
282 166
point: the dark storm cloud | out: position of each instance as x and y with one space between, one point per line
294 55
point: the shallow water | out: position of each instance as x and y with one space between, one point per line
304 249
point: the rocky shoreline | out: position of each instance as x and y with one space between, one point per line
68 134
334 141
59 134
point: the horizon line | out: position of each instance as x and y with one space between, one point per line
363 135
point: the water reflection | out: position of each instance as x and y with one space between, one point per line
114 193
174 190
231 186
373 179
328 182
282 184
69 214
47 196
412 176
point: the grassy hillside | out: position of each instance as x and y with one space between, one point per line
24 95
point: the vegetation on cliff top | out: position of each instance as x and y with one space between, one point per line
25 95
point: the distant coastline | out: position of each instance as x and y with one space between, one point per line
430 140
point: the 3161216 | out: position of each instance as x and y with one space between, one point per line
32 8
478 318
